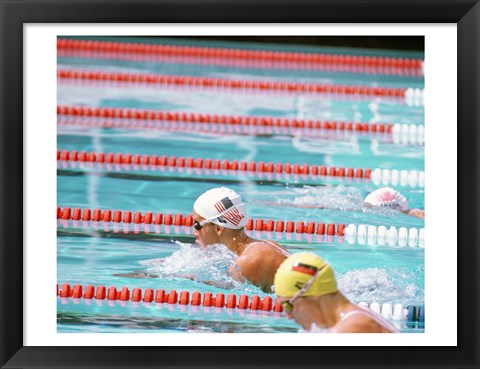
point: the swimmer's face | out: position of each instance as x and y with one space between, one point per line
300 311
207 235
282 300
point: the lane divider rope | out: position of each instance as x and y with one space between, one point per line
241 54
155 172
411 178
173 297
409 313
401 134
415 95
137 217
230 83
408 134
242 64
296 233
137 162
380 235
207 163
224 129
363 234
161 115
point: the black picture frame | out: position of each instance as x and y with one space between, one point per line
14 14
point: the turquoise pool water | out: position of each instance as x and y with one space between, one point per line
89 254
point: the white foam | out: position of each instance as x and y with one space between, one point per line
210 263
392 285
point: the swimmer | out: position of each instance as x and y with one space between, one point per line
385 197
306 287
219 217
389 198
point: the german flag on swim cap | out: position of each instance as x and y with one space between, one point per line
298 269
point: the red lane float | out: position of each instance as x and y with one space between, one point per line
229 83
243 64
216 164
155 171
368 130
125 216
160 296
149 116
240 54
395 312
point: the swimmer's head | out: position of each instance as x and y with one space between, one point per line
298 269
389 198
222 206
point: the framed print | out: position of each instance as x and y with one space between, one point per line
294 130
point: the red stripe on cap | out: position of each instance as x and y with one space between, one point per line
233 215
219 206
231 218
304 269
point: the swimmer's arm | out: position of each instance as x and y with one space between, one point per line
253 269
236 274
416 213
224 285
142 274
137 274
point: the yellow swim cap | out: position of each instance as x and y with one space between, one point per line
298 269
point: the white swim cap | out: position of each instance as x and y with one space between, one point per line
389 198
222 206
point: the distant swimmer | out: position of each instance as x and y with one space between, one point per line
306 287
219 218
389 198
384 197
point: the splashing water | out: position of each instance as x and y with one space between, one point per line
210 264
338 197
331 197
380 285
211 261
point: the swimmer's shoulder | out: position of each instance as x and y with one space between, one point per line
263 248
358 320
356 323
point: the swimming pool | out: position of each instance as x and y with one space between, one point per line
154 145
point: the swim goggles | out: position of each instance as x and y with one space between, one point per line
288 304
198 225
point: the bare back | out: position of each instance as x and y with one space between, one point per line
259 263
